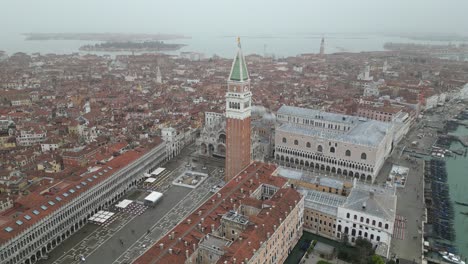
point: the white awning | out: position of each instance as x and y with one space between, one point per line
153 197
158 171
150 180
124 203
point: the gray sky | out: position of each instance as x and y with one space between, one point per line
231 17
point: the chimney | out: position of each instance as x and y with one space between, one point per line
240 238
274 227
267 213
249 243
185 243
234 260
281 194
256 226
202 220
172 235
290 208
268 235
219 195
212 228
199 212
161 246
170 251
189 221
280 220
242 190
194 247
186 253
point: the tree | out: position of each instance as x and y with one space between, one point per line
376 259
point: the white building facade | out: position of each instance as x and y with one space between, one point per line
368 213
335 143
35 241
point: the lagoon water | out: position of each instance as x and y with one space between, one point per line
224 46
457 170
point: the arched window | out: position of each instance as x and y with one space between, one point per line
355 217
348 153
363 156
320 148
373 222
362 219
332 149
380 224
367 220
284 140
308 144
386 226
347 215
296 142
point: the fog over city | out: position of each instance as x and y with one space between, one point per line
233 131
236 17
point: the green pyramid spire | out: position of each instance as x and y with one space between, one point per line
239 67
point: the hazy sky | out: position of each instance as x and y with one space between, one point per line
234 17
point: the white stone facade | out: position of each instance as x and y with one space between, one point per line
212 139
28 138
46 234
335 143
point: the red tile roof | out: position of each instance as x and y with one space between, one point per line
220 203
27 205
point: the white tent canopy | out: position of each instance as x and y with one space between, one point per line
153 197
158 171
124 203
150 180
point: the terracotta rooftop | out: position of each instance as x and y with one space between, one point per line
195 227
30 209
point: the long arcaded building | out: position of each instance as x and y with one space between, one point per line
335 143
40 221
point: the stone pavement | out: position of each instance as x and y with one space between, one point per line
165 224
407 241
101 244
95 239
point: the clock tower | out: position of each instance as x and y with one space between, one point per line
238 108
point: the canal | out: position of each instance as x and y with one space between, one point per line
457 170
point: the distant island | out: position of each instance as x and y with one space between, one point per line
431 37
101 36
132 46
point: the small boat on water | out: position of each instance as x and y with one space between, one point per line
452 258
460 203
464 213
